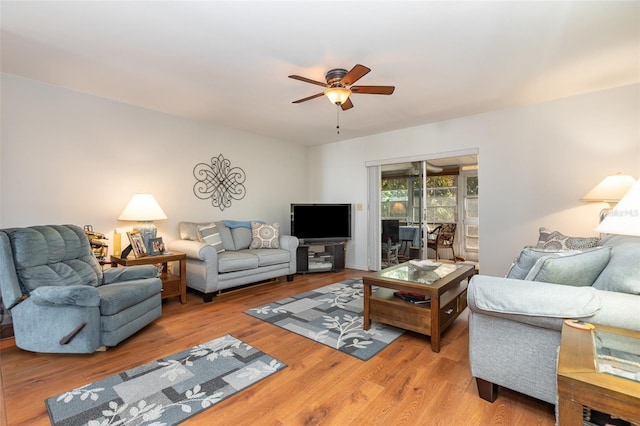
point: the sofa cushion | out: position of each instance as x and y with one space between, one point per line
225 236
230 261
189 230
211 236
265 236
554 240
576 268
526 259
241 237
271 256
622 273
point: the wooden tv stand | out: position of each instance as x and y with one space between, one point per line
328 256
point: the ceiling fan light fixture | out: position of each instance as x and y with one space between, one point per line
337 95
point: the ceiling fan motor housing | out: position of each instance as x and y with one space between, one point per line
334 76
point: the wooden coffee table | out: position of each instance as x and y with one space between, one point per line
445 285
581 384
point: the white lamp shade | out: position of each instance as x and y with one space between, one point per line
142 208
624 219
611 189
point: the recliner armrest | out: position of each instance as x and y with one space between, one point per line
73 295
129 273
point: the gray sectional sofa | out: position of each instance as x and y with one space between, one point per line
227 260
515 323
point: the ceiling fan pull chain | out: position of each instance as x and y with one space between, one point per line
338 118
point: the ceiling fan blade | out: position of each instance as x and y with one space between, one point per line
346 105
356 73
317 95
373 90
308 80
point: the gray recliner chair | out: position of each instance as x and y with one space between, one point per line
62 301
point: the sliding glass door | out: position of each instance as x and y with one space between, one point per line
421 194
470 219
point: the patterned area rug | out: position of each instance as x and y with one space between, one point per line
331 315
166 391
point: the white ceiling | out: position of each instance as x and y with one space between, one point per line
228 62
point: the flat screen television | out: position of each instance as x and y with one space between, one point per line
321 222
391 231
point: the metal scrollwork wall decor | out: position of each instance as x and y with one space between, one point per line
219 181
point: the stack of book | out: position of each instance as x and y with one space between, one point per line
415 298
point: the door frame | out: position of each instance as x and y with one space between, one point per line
373 209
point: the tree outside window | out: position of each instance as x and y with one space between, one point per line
400 198
442 199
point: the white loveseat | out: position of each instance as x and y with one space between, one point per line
231 262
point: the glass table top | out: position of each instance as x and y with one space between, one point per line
617 354
407 272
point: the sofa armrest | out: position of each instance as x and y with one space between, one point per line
195 250
289 243
73 295
618 310
531 298
129 273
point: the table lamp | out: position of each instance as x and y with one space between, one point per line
144 209
610 190
624 219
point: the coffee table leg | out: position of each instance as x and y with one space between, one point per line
435 324
367 300
569 412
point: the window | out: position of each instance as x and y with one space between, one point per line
471 234
442 199
396 202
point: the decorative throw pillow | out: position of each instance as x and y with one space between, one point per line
265 236
579 269
526 259
554 240
211 236
622 273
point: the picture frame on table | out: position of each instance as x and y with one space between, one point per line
157 246
137 244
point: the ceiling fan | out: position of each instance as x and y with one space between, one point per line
339 86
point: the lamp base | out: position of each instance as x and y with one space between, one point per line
148 231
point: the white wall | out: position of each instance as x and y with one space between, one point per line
72 158
536 162
67 157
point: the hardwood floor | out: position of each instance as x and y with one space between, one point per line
406 383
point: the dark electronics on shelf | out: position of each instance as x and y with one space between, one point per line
321 222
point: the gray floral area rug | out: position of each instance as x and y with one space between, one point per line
166 391
330 315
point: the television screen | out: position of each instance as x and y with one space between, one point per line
391 231
321 222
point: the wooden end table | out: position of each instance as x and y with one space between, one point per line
172 285
446 286
581 384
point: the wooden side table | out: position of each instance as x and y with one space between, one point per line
172 285
580 383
